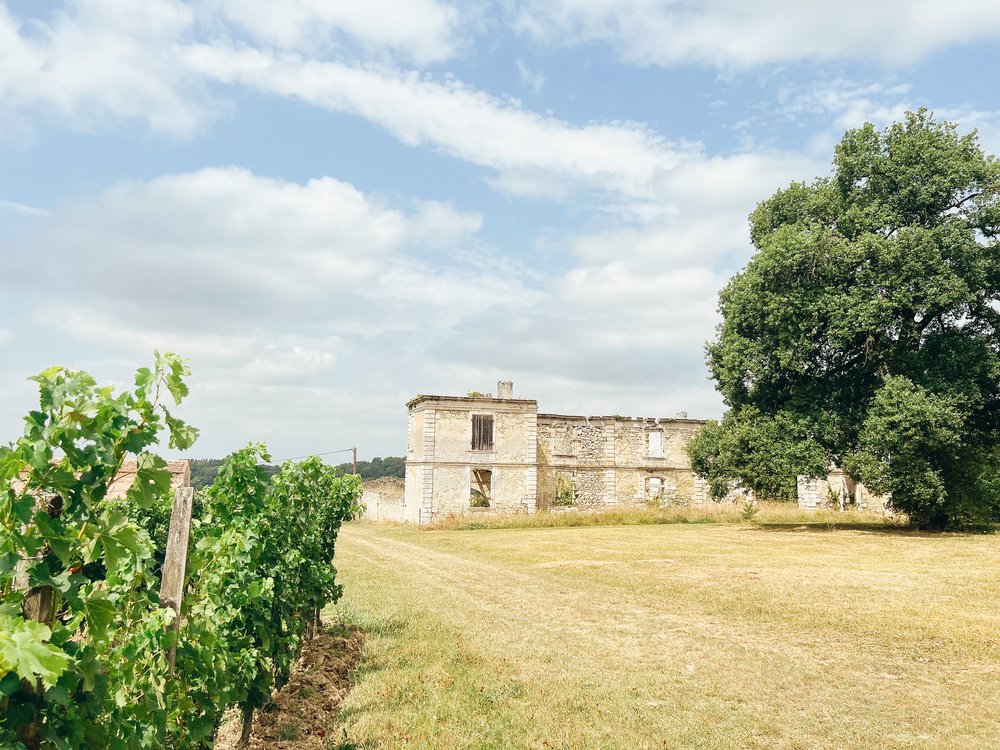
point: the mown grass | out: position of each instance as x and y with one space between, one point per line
671 636
763 513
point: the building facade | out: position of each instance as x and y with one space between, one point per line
480 453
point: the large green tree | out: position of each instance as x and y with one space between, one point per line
865 329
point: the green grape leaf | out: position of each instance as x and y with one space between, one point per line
9 683
143 382
176 369
152 481
100 614
119 539
55 534
182 435
24 649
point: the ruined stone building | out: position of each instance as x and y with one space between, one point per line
466 453
838 489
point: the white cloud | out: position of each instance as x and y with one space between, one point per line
103 61
99 63
275 290
21 209
532 153
286 295
737 34
423 30
533 80
850 104
227 240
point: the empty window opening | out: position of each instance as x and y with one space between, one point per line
656 444
481 488
482 432
565 491
654 487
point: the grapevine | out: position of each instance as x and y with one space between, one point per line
83 638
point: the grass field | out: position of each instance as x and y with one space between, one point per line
671 636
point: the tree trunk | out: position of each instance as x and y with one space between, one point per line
245 731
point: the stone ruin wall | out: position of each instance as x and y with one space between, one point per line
383 499
440 460
606 461
817 493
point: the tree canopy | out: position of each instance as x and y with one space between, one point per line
865 331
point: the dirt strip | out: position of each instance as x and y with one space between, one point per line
303 713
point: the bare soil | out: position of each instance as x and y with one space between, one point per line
303 714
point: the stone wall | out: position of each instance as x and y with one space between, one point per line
598 461
837 490
383 499
441 461
608 460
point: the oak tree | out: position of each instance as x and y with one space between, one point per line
865 331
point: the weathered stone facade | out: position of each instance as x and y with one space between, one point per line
611 460
443 467
479 453
838 490
383 499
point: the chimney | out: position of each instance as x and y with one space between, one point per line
682 415
505 389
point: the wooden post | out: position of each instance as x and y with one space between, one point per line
38 606
175 561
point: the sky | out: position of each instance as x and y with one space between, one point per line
329 207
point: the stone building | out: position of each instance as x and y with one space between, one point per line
383 499
477 453
180 476
838 490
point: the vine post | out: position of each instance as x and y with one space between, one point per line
175 562
38 605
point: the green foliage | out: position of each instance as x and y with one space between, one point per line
564 496
95 674
750 511
390 466
25 650
204 470
84 553
865 329
762 452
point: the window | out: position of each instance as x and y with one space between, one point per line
654 487
481 488
482 432
656 444
565 493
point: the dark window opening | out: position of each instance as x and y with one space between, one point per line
482 432
481 488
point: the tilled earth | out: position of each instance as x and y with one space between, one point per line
303 713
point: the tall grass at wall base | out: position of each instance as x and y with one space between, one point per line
767 514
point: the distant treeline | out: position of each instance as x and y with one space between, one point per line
203 470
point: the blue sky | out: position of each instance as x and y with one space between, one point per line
329 207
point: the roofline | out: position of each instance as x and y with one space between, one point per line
620 418
422 398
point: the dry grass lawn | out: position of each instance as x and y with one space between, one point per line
671 636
